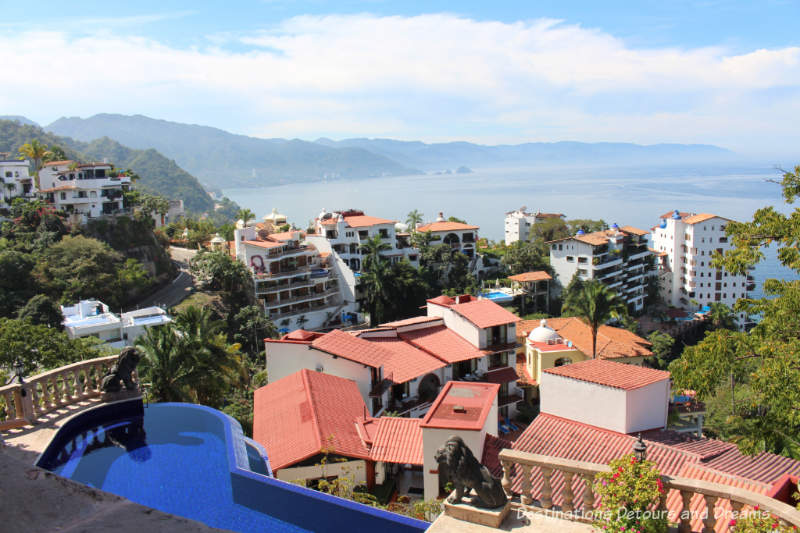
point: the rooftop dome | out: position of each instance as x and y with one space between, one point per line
543 333
676 215
440 218
580 232
275 216
663 223
614 226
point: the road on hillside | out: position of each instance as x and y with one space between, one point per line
180 287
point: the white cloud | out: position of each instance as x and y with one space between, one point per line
429 76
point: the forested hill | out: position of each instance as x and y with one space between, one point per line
221 159
158 174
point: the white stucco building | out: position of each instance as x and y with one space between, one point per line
459 236
519 223
618 257
93 318
17 182
401 366
686 243
83 191
292 280
606 394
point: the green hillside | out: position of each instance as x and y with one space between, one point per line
158 174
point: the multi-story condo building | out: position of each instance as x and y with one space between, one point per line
292 279
401 366
342 234
519 223
460 236
16 181
83 191
93 318
686 243
618 257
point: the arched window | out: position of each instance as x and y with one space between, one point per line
561 361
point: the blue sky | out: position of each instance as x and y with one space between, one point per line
715 71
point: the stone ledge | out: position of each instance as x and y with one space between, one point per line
477 515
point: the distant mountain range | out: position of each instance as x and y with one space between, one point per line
221 159
454 154
157 174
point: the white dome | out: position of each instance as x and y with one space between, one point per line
543 333
217 239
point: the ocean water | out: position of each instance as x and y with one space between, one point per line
629 195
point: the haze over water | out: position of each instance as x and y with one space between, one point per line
632 195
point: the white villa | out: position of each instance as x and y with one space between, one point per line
401 366
685 244
618 257
462 237
17 182
84 191
293 280
92 318
518 224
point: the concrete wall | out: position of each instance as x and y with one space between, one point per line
284 359
539 361
647 407
565 270
590 403
356 468
462 326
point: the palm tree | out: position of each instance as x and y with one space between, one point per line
36 152
167 366
414 218
595 304
375 278
246 215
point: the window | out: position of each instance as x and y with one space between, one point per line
363 234
384 233
570 259
8 174
560 246
63 196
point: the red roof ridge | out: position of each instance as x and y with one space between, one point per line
610 374
307 388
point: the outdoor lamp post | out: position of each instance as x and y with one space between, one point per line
640 449
19 371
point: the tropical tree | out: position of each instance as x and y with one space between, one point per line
250 327
43 311
662 348
595 304
36 152
166 365
245 215
374 280
524 256
414 218
721 316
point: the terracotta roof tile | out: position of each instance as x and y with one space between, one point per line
442 300
612 343
702 217
501 375
461 405
446 226
491 450
296 417
485 313
539 275
361 221
350 347
412 321
263 244
398 440
406 362
634 231
58 163
524 378
669 214
442 343
610 374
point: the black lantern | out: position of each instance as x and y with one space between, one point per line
640 449
19 371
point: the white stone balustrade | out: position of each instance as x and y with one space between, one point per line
712 493
52 390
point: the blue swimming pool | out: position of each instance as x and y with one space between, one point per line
498 297
192 461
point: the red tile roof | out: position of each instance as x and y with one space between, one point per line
406 362
285 236
559 437
491 449
350 347
263 244
501 375
442 300
702 217
461 405
538 275
524 378
58 163
411 321
398 440
301 415
610 374
361 221
442 343
485 313
446 226
612 343
669 214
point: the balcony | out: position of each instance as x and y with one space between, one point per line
260 276
301 298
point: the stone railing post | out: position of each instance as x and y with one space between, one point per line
547 490
506 481
525 497
26 404
569 496
588 492
710 519
686 523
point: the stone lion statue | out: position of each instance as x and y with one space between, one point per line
122 371
467 474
